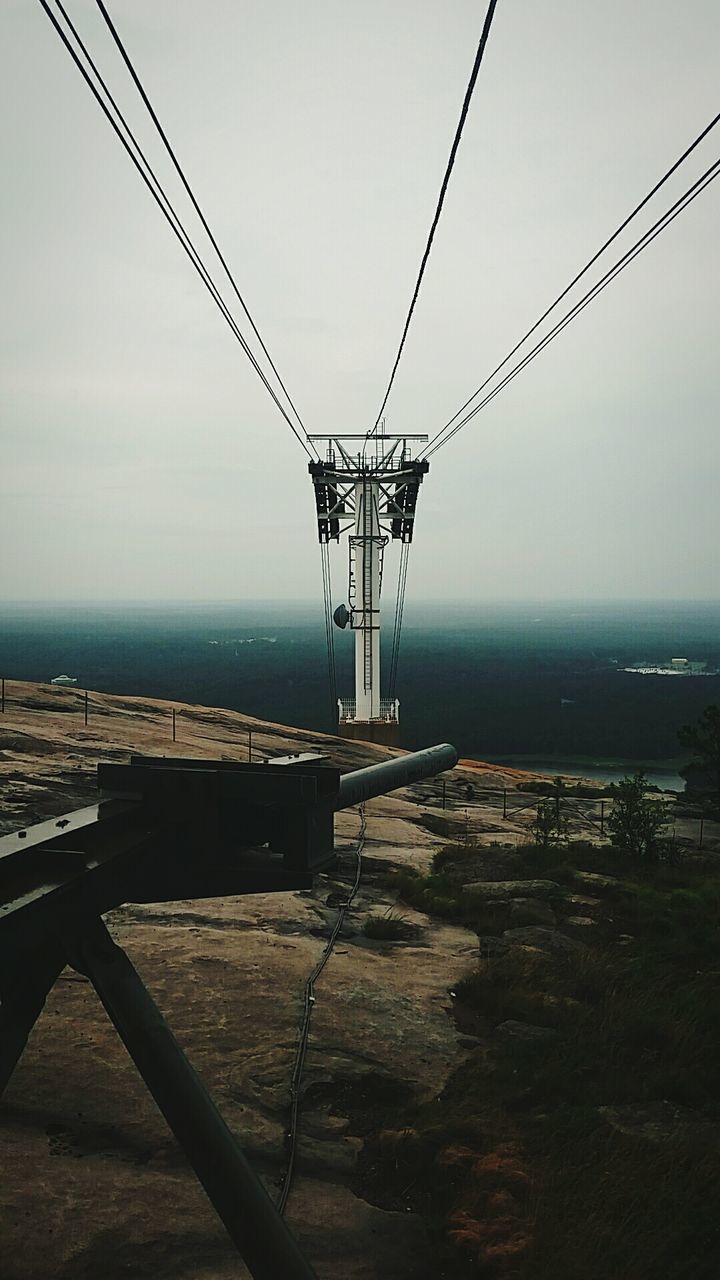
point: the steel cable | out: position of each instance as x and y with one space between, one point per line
395 622
329 634
441 198
136 80
666 176
648 236
399 610
304 1035
155 188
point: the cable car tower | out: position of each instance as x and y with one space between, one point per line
367 485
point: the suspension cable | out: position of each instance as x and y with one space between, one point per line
309 1001
399 609
155 188
136 79
329 633
653 191
648 236
441 198
395 621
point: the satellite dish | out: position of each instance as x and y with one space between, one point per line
341 617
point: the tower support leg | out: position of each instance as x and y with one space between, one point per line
239 1198
26 980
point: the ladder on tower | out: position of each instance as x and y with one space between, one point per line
368 584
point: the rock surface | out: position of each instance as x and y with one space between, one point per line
664 1124
525 1031
525 911
514 888
543 940
94 1185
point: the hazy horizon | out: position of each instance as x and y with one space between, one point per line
310 601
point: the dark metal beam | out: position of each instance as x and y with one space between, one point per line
239 1198
27 976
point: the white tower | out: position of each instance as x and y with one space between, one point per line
367 486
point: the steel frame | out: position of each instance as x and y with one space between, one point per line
371 494
163 830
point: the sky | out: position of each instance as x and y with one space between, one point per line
140 456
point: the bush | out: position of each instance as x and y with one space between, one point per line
392 926
549 827
637 824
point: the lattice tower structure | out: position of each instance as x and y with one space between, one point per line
366 486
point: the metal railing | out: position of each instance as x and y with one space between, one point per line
389 709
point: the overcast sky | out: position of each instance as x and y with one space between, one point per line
141 457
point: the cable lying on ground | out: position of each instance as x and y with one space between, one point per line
309 1001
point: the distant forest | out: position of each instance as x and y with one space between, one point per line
496 680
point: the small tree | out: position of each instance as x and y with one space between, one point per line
549 827
637 823
703 739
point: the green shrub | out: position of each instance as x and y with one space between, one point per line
638 825
391 926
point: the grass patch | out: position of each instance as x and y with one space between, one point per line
391 926
454 855
440 895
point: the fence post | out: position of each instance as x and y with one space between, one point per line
602 817
700 841
504 802
85 707
173 718
250 745
444 793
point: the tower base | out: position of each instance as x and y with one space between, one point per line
386 732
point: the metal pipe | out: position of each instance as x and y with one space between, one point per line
377 779
242 1203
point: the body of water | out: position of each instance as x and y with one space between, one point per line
542 681
599 770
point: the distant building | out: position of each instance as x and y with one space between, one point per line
675 667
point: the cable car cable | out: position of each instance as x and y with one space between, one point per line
688 151
136 79
441 198
399 609
664 221
329 633
158 194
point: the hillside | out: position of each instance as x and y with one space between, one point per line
93 1165
96 1186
